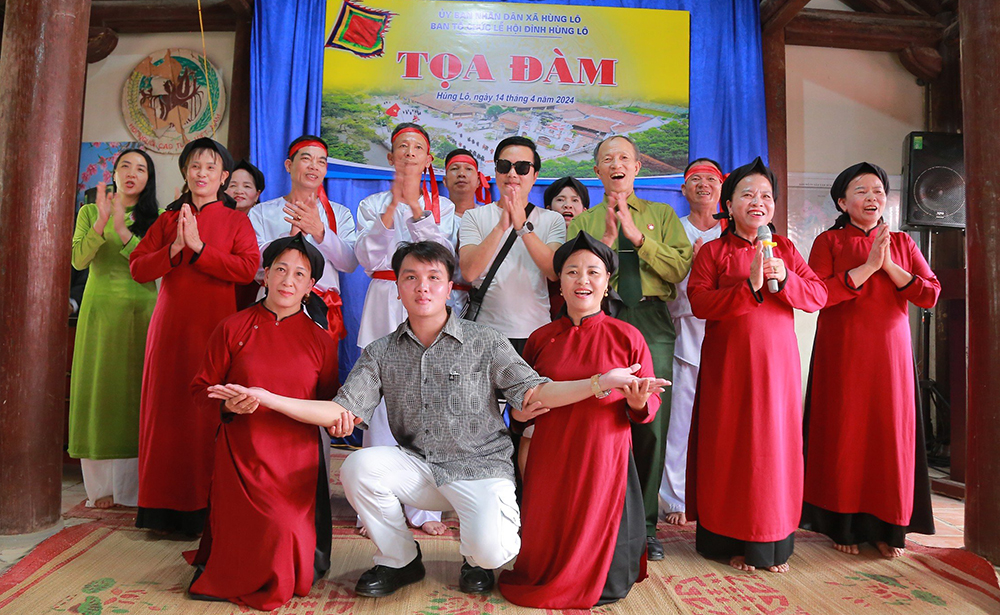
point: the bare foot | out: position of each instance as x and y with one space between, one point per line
105 502
889 552
677 518
778 568
434 528
740 563
849 549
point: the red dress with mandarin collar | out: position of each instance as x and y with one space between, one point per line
259 546
578 467
175 435
745 452
862 422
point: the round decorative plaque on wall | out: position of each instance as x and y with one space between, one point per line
170 98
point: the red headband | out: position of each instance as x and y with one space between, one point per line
331 219
706 169
430 196
483 190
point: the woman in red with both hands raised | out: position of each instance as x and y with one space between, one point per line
202 248
866 468
745 452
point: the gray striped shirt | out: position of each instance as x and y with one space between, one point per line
441 400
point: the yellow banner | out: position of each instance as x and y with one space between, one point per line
473 73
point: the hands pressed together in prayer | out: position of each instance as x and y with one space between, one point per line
305 218
399 198
636 391
187 233
511 210
619 213
880 259
762 269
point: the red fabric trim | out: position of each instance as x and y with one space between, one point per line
384 275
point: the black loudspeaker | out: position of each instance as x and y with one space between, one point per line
933 191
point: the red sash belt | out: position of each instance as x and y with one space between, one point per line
384 275
334 316
466 287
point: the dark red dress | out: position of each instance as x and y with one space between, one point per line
745 452
197 292
583 533
864 462
260 544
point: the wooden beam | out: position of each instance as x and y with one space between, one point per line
923 62
100 43
135 18
845 30
775 14
242 8
239 94
980 56
777 123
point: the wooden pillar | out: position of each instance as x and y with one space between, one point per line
41 96
239 94
980 29
777 124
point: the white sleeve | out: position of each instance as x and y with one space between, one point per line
426 229
338 248
257 221
375 243
556 229
470 233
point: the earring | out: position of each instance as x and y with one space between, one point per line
605 292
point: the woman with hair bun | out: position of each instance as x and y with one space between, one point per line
202 248
866 468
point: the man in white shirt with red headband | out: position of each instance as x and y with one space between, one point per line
409 212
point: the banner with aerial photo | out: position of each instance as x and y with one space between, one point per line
473 73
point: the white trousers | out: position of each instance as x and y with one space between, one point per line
118 478
685 380
379 434
380 478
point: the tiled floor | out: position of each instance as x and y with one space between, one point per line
948 516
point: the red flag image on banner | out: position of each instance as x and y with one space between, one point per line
392 111
360 30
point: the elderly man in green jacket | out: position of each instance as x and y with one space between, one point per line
654 254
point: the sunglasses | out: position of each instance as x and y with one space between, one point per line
523 167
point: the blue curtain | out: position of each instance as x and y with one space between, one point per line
726 101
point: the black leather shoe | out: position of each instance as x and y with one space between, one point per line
654 550
475 580
383 580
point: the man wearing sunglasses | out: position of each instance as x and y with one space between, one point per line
517 300
654 255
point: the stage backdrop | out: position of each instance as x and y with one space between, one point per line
726 101
473 73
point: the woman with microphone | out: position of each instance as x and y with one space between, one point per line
745 453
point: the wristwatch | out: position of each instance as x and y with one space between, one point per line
526 228
595 386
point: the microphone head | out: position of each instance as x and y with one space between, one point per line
764 233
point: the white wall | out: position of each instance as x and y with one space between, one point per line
843 106
102 115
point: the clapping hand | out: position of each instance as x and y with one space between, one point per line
624 216
192 238
640 390
305 218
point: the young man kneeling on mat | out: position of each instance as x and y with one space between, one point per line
438 374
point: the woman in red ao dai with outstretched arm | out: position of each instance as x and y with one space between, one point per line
745 453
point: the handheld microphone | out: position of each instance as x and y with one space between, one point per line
764 236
